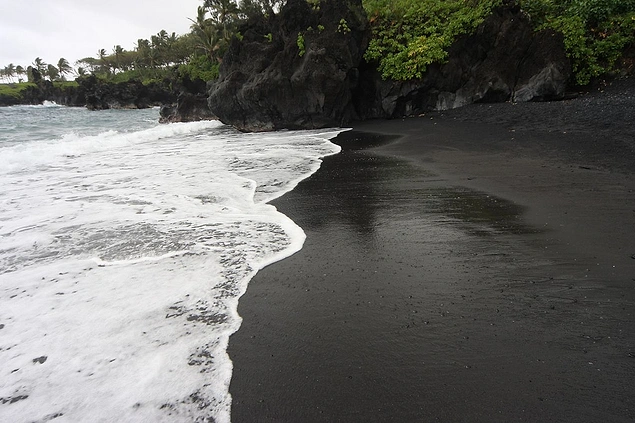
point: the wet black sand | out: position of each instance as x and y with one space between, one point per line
480 267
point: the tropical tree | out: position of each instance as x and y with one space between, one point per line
103 61
157 44
33 75
9 72
19 71
170 42
183 49
40 65
63 67
88 63
249 8
206 33
224 13
143 48
52 72
118 53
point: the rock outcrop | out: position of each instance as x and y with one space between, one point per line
94 93
101 95
188 108
503 60
293 70
191 103
43 91
304 69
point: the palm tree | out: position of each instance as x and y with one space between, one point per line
19 70
143 54
64 67
9 72
153 59
89 64
40 65
170 42
103 60
163 35
52 72
206 32
118 52
222 11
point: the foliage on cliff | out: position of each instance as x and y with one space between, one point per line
14 90
596 32
407 35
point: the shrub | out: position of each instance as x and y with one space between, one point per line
595 31
407 35
200 67
301 44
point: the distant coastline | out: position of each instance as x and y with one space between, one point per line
88 92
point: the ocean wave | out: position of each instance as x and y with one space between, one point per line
72 144
124 255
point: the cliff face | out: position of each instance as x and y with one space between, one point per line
95 94
305 69
46 91
294 70
101 95
503 60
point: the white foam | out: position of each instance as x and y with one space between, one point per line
56 151
122 258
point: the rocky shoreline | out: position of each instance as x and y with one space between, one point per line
270 83
95 94
304 68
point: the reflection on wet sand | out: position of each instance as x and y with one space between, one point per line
424 195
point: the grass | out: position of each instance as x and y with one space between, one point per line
14 90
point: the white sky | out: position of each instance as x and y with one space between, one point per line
75 29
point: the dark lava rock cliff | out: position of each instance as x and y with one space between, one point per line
304 68
102 95
503 60
95 94
294 70
191 103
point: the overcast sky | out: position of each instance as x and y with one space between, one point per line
75 29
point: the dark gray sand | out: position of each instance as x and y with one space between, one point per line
477 267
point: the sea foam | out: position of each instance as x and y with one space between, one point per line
122 258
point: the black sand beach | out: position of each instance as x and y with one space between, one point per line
476 265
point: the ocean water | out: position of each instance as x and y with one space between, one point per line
124 248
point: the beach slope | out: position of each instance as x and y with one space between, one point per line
476 265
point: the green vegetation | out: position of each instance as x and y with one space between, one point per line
197 54
315 4
343 27
301 44
14 90
595 31
201 67
408 35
